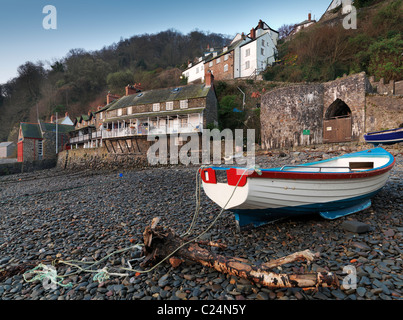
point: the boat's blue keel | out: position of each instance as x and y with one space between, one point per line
346 211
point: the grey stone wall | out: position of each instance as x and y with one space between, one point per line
292 116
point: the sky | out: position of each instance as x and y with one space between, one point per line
88 24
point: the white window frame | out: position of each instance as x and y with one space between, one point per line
247 52
210 64
120 112
130 110
40 149
169 105
226 57
218 60
184 104
156 107
226 68
247 64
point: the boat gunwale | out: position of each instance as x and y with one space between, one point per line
278 173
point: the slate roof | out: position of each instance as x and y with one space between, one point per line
32 130
161 95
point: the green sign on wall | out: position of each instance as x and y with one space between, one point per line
306 132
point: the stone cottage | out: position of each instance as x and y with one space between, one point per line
37 141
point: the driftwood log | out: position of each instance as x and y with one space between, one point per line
160 242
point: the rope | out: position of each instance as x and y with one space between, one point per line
46 273
103 274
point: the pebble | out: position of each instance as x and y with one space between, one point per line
49 217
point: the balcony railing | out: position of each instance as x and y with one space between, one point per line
127 132
142 130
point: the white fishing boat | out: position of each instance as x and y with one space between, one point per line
332 188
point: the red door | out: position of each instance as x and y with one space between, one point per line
20 152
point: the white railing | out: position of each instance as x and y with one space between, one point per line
127 132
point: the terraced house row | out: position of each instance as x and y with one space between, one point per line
124 121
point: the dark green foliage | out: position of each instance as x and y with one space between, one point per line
325 52
228 117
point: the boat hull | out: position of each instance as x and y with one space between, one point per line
385 137
274 194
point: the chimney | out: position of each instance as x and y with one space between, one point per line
111 97
253 34
260 25
130 90
309 16
66 114
209 78
52 119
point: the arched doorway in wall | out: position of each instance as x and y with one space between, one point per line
337 122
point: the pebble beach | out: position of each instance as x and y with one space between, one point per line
86 216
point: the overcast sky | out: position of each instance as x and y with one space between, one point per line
91 24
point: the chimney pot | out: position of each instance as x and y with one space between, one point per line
309 16
52 118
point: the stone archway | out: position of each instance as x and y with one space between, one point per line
337 122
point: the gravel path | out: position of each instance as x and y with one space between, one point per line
85 216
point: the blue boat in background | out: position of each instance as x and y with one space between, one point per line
385 137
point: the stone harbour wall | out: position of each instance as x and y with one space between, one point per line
292 116
383 112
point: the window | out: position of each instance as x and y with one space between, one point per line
156 107
226 57
183 104
247 53
120 111
169 105
183 122
218 60
197 70
210 64
263 42
262 51
247 64
129 110
40 149
226 68
101 115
